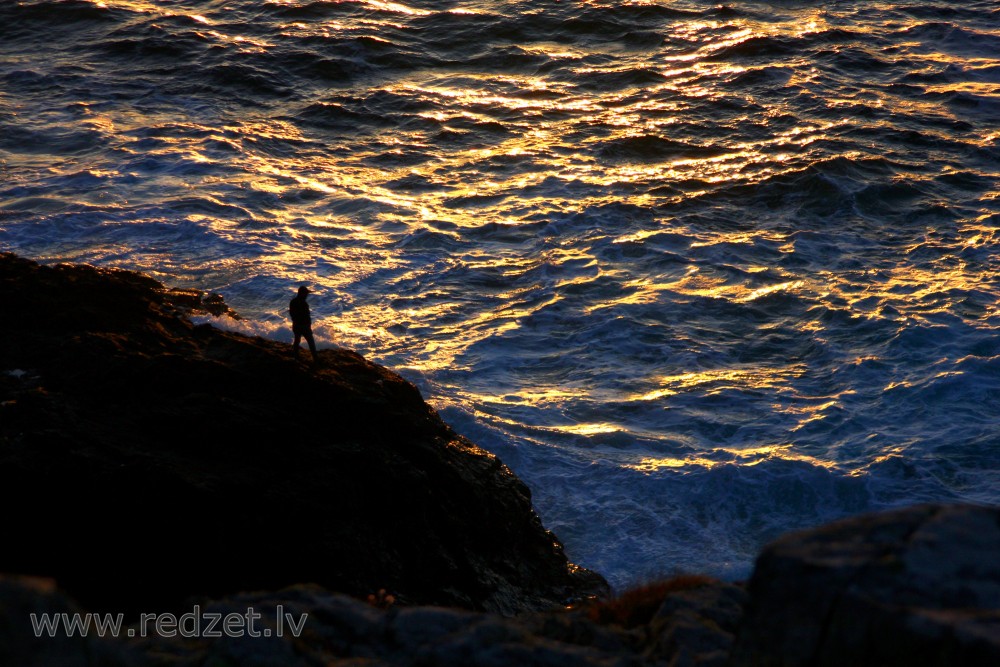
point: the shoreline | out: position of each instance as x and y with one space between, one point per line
194 465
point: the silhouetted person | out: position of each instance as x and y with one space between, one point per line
302 322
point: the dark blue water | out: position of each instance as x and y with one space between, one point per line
699 274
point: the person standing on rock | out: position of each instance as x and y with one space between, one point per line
298 309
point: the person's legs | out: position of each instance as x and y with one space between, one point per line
295 345
312 344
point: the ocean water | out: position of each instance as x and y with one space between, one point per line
698 273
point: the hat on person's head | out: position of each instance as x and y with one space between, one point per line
303 290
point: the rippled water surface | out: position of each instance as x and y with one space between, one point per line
699 274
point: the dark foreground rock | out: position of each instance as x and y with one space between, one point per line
916 586
912 587
144 460
323 629
21 646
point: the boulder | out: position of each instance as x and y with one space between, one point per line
685 621
150 459
696 625
914 586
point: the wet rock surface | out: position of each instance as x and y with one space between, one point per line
185 460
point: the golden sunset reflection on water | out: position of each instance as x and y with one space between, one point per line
678 264
744 457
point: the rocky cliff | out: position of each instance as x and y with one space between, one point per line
146 459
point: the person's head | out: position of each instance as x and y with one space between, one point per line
303 291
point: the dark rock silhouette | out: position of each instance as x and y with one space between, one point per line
915 586
185 460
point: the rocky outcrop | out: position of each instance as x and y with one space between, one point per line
150 460
915 586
